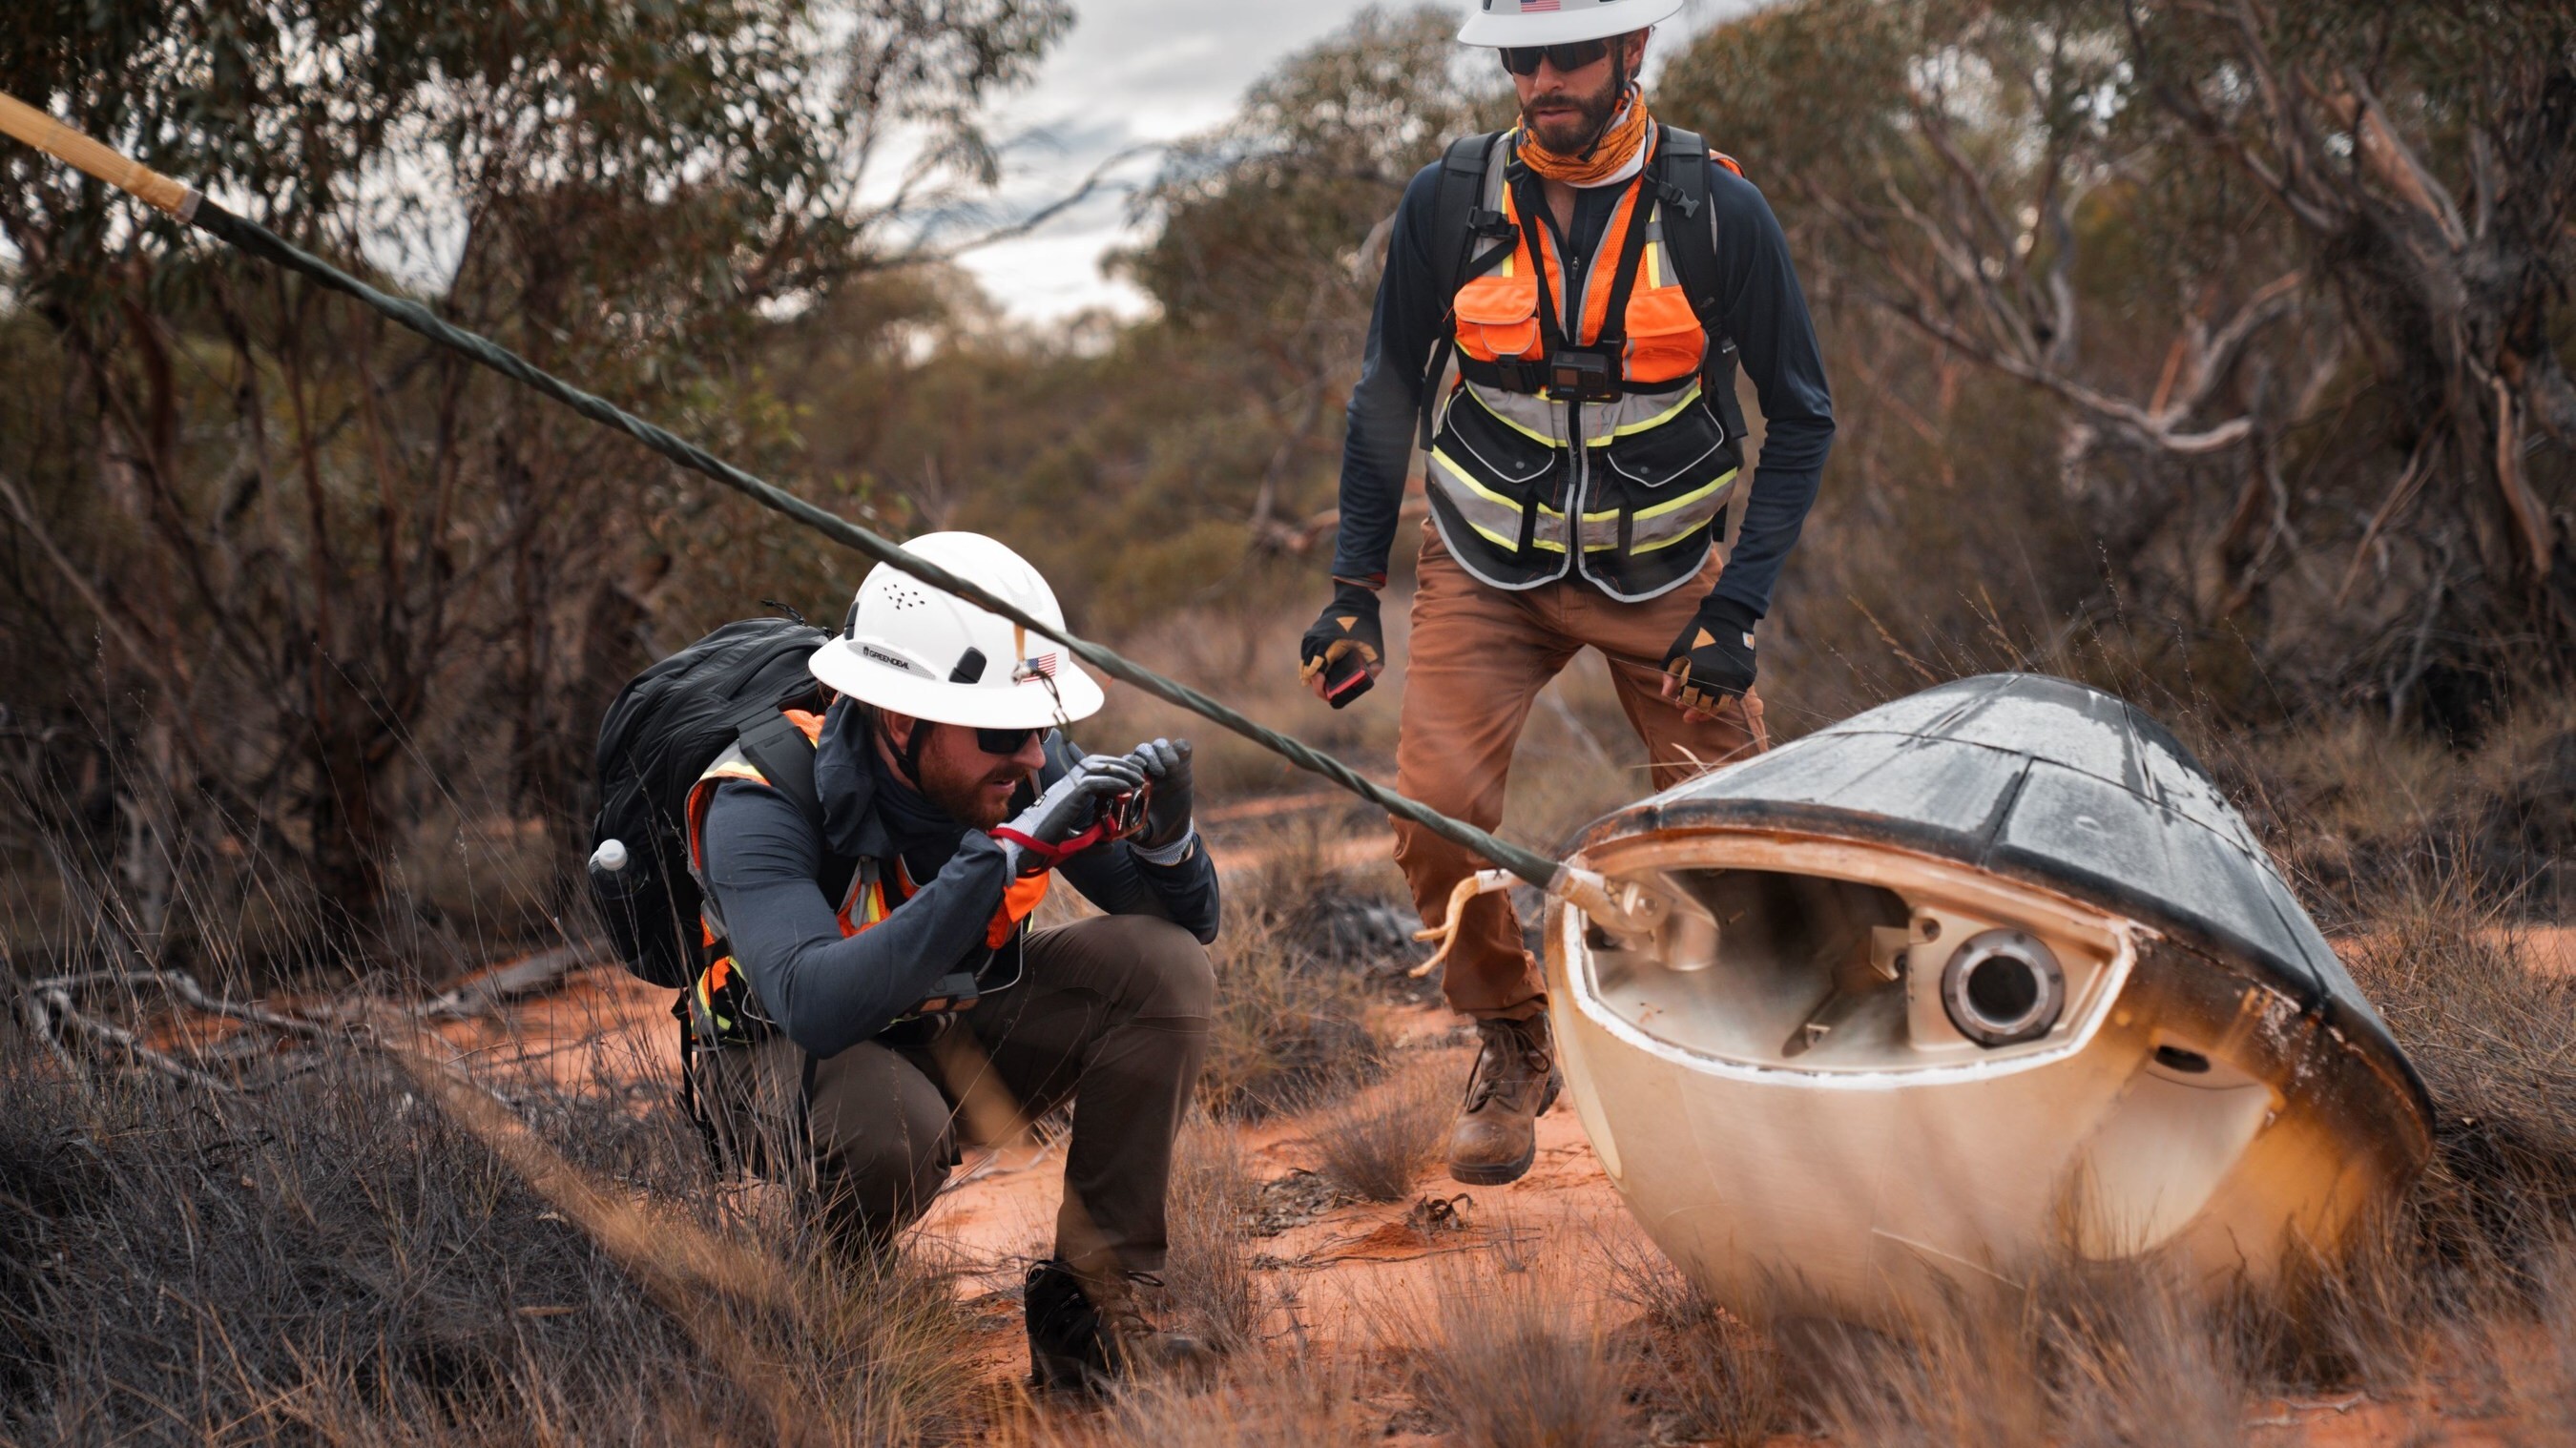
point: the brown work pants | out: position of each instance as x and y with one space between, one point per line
1478 658
1112 1015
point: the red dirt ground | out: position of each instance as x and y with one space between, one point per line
1353 1273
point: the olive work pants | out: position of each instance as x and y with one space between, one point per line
1111 1014
1478 658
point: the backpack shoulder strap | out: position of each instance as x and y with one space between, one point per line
1455 225
784 757
1690 237
1462 187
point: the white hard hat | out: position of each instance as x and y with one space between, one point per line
1557 22
917 650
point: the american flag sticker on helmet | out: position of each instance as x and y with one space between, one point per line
1040 667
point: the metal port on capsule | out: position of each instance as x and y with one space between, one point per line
2003 987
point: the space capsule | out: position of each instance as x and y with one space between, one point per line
1986 977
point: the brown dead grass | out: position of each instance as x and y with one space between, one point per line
2360 816
334 1260
2123 1356
1210 1272
2492 1040
1512 1359
1291 1026
1282 1401
1380 1143
1707 1376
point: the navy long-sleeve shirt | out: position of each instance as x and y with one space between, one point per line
1765 313
828 992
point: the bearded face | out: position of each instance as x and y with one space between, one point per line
965 783
1566 111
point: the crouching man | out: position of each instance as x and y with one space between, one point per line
877 992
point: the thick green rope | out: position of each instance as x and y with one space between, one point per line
259 241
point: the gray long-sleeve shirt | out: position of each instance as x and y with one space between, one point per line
1766 314
828 992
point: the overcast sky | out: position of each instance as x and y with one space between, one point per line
1137 71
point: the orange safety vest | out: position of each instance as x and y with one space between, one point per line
1497 312
720 993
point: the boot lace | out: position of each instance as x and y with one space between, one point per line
1512 1058
1129 1324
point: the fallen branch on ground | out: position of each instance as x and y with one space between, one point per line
528 976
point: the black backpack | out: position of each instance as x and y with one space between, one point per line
668 724
1680 182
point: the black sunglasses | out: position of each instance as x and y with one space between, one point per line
1567 58
1004 742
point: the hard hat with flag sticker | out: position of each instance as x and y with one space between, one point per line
1558 22
916 650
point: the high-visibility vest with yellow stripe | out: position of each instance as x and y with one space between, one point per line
1530 480
721 1001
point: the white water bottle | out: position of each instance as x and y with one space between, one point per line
611 878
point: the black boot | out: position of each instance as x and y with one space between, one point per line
1065 1350
1088 1335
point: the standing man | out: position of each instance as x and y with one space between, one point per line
1594 276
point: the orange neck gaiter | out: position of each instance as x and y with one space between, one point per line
1615 153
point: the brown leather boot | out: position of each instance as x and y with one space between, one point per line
1514 1083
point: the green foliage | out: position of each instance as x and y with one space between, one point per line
324 574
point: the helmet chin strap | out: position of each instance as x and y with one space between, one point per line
907 761
911 758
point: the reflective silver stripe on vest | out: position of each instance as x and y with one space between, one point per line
724 766
1684 503
1660 525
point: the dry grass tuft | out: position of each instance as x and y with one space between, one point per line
1379 1143
1292 1024
2534 1373
2359 814
1708 1376
1282 1401
2491 1039
332 1258
1209 1271
1515 1360
2363 1315
2086 1356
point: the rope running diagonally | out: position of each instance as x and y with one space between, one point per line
46 134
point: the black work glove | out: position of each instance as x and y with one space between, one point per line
1712 661
1065 820
1347 646
1166 763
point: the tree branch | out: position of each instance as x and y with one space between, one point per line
2395 163
2128 417
2419 466
2530 516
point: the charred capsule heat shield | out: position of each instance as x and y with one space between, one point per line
1997 974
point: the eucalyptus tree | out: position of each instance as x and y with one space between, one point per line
304 576
2285 278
